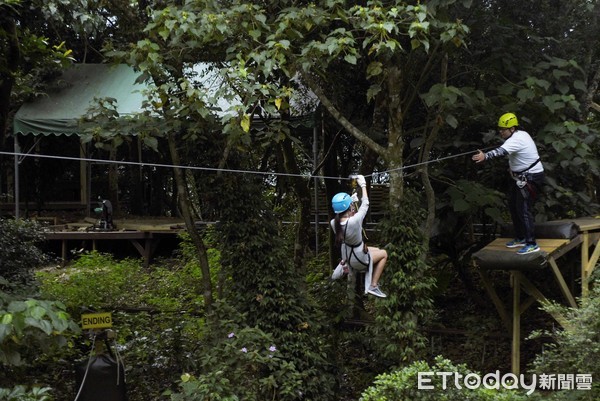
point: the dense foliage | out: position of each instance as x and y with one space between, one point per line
403 385
19 250
409 282
269 293
28 327
575 349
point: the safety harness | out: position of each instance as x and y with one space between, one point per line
353 252
520 178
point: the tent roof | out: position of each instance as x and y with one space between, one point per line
59 112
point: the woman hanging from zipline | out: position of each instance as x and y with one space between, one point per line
348 228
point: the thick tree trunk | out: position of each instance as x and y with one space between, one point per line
394 154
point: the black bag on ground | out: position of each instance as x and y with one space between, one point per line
105 379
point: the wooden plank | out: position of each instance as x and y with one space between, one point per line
547 245
588 223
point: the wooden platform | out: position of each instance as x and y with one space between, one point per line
143 234
587 239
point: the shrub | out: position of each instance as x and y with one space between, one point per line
239 363
28 325
403 385
94 280
576 348
19 252
21 393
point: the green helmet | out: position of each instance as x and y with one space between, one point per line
508 120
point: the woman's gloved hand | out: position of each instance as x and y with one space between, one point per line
360 180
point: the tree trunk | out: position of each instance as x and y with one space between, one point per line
429 141
113 181
186 211
394 154
304 199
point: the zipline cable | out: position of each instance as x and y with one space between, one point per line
226 170
439 159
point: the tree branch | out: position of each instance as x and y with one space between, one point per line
355 132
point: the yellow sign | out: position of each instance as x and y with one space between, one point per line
96 320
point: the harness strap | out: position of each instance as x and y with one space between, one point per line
352 252
528 168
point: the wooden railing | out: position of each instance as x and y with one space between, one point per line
378 198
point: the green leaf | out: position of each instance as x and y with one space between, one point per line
525 94
579 84
151 142
7 318
37 312
261 17
17 306
451 121
43 325
374 68
245 123
350 58
460 205
5 330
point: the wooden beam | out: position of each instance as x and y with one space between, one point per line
591 263
562 283
537 294
527 304
489 287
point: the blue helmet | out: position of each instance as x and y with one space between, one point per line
341 202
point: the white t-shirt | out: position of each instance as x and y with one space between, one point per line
522 153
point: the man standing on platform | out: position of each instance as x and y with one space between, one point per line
528 173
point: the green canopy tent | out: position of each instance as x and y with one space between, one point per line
68 100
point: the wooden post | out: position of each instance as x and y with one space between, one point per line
585 288
516 325
588 263
64 252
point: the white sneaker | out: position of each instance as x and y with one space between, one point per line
377 292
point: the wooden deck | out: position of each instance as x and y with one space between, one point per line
143 234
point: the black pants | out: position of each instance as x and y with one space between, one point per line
521 201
